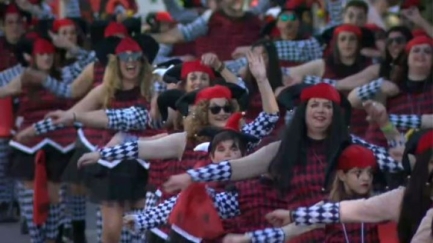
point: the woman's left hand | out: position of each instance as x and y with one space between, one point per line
236 238
211 60
257 66
88 158
61 41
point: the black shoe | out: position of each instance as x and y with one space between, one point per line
9 212
23 226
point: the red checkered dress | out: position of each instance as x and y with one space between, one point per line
335 233
226 34
417 103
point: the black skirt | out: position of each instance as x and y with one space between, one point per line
22 164
72 174
126 182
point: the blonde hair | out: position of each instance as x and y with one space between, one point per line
198 118
112 80
338 191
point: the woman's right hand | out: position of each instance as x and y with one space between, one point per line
279 217
60 117
376 112
129 222
25 134
177 183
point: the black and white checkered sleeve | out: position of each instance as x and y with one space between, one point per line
310 79
406 121
123 151
9 74
327 213
335 10
383 158
235 66
132 118
227 204
61 89
268 235
154 216
368 91
213 172
71 72
262 126
152 198
45 126
299 51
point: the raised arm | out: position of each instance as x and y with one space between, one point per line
154 216
378 88
315 68
9 74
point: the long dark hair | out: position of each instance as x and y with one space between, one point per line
293 148
416 199
273 71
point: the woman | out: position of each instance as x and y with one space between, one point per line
310 144
409 92
353 180
405 205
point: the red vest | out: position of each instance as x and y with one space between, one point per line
225 34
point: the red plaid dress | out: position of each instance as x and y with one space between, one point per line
335 233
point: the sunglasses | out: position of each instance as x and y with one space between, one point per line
397 40
287 17
217 109
134 56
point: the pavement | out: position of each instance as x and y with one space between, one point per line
10 232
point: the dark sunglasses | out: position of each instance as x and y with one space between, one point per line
217 109
133 56
285 17
398 40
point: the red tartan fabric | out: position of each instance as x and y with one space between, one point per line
335 233
243 32
284 63
183 49
406 103
34 105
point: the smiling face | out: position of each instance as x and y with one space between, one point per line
357 181
220 109
420 57
318 116
130 64
197 80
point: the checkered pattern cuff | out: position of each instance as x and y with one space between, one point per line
327 213
406 121
132 118
124 151
316 80
269 235
45 126
61 89
155 216
213 172
368 91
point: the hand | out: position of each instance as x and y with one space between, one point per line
257 66
177 182
211 60
187 58
279 217
412 14
61 41
376 112
33 77
60 117
236 238
25 134
389 88
88 158
129 222
240 51
397 152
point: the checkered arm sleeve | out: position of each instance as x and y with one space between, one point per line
309 79
159 87
61 89
383 158
151 199
235 66
213 172
327 213
335 10
71 72
299 51
155 216
45 126
368 91
9 74
406 121
132 118
262 126
269 235
194 30
227 204
125 151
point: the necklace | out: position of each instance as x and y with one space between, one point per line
347 237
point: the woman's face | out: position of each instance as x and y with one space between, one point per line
347 44
226 150
219 112
357 180
318 115
395 43
288 23
197 80
130 64
420 56
69 32
13 26
44 62
260 50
